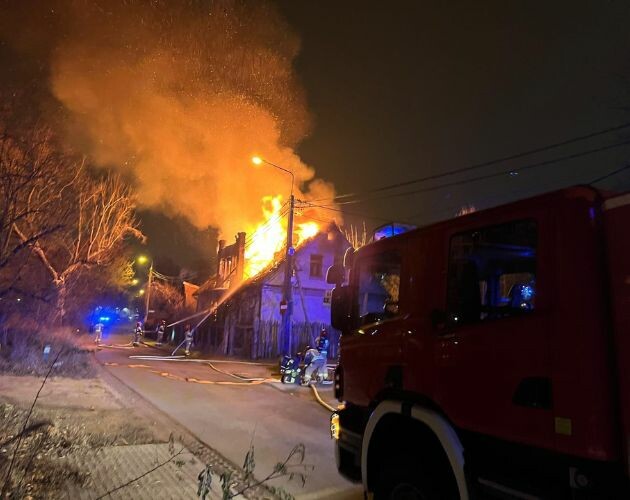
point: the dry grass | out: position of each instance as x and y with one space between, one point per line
55 433
22 353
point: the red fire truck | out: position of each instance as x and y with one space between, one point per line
488 356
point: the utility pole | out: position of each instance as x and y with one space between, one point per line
148 294
288 272
288 286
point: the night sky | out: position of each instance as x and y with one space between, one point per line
400 90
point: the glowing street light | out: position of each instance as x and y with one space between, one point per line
143 259
257 160
141 291
135 281
288 272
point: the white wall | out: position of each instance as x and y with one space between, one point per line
313 288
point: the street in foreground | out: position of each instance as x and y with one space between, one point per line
228 415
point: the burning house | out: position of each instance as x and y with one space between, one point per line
248 313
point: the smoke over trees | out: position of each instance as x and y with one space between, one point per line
175 95
112 105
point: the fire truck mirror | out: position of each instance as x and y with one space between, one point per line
336 275
340 308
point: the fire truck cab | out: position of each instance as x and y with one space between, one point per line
488 356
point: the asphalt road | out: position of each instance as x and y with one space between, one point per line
228 414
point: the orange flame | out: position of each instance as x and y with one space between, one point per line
265 244
306 230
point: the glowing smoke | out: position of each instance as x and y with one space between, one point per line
179 95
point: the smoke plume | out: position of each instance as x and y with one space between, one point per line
178 95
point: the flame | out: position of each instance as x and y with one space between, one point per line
267 238
265 244
307 230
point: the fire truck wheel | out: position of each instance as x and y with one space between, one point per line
403 485
406 479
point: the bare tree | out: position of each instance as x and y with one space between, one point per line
99 216
26 194
167 300
355 238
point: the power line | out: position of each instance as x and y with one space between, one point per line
259 232
323 221
172 278
610 174
366 216
266 226
480 165
497 200
486 176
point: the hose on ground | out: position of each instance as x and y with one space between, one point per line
205 362
320 400
182 358
116 346
238 377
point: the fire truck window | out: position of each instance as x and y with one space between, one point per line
492 272
379 285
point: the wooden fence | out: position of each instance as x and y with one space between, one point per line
267 341
263 342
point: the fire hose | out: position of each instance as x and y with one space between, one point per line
128 345
320 400
209 363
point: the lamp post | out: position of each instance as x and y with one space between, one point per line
142 259
288 270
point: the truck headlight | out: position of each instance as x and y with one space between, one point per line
334 426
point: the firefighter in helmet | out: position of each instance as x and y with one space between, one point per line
323 343
160 330
188 337
315 359
137 333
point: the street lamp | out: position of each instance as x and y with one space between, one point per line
143 259
288 271
257 160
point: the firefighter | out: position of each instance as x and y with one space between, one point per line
315 359
188 338
98 329
161 328
323 343
137 333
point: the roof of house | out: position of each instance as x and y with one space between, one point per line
273 266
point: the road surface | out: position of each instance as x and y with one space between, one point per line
227 414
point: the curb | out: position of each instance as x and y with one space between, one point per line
202 450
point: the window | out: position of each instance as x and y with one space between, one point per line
492 272
379 288
317 262
327 297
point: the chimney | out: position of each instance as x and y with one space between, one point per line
240 258
219 252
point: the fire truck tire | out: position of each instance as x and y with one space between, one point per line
404 480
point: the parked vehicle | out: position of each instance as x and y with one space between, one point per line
489 355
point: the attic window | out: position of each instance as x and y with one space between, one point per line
317 264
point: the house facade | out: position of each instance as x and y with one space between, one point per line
248 317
